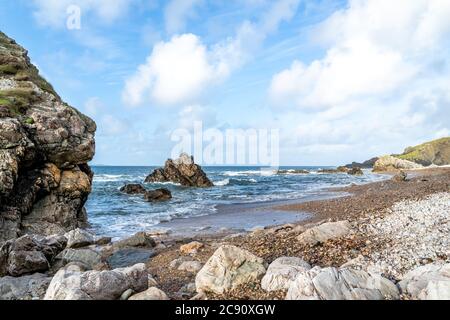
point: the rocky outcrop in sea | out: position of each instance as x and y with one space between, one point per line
45 145
183 171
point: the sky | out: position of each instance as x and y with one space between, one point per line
341 80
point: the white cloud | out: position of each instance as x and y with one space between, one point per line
383 81
177 12
53 13
180 70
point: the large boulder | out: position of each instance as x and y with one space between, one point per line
139 240
340 284
90 258
44 148
32 287
129 256
228 268
183 171
355 171
429 282
324 232
28 254
282 272
393 164
73 283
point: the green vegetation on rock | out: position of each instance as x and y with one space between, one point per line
435 152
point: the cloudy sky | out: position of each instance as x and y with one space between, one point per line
342 80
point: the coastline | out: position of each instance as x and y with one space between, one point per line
361 206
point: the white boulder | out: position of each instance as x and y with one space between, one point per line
281 272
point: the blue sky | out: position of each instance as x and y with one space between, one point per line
342 80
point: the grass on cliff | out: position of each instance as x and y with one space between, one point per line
421 152
18 100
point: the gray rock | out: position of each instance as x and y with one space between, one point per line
174 264
127 294
30 287
325 232
128 257
79 238
25 262
282 272
140 240
190 266
103 241
150 294
429 282
340 284
88 257
228 268
72 283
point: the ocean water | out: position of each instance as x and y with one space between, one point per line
112 213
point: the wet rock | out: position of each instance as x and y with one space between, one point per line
158 195
429 282
30 287
133 189
282 172
325 232
150 294
79 238
191 248
183 171
128 257
73 283
103 241
282 272
228 268
340 284
355 172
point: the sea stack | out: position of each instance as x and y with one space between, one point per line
45 145
183 171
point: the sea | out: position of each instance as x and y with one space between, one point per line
231 203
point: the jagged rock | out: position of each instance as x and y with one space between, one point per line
392 164
293 171
79 238
130 256
340 284
355 172
158 195
30 287
139 240
28 254
282 272
191 248
325 232
133 189
44 147
429 282
183 171
190 266
228 268
74 283
152 293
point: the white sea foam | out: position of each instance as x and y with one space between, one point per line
222 182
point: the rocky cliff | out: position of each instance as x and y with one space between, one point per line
45 145
435 152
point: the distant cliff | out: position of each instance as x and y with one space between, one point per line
45 145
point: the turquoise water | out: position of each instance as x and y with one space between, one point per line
112 213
